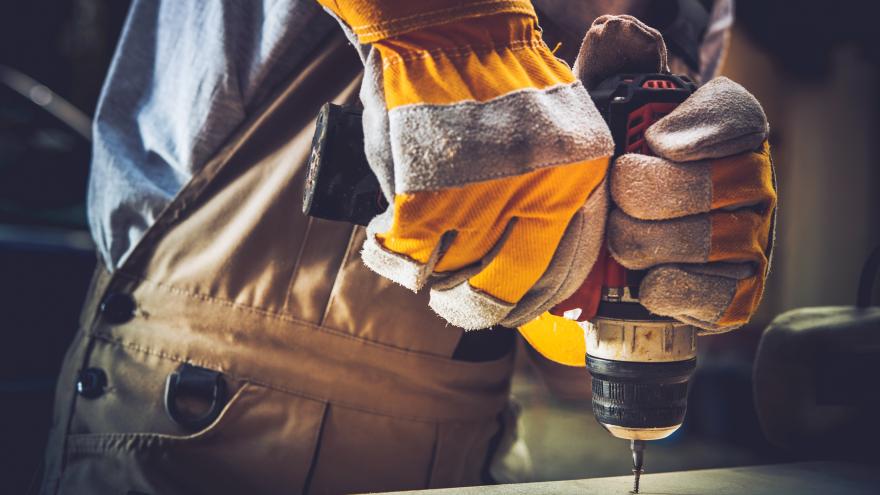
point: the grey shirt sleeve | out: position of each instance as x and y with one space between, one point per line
184 76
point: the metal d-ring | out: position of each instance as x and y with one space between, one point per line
193 381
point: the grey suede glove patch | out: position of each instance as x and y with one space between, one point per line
720 119
617 45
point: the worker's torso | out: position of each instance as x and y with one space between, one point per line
338 380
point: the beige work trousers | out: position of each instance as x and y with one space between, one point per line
339 381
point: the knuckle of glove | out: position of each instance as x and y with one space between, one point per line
639 244
653 188
719 119
698 299
600 55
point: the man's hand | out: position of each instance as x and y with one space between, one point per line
490 152
699 215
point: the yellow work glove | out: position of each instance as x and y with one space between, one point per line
699 216
489 150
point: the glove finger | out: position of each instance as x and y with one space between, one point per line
480 212
619 44
575 256
423 233
720 119
443 231
736 236
715 297
653 188
406 257
491 294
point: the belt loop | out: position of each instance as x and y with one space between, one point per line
196 382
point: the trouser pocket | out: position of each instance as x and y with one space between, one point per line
123 440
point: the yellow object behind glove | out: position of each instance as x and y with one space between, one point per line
558 339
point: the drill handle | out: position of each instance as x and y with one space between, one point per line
629 103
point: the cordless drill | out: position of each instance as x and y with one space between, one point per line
640 363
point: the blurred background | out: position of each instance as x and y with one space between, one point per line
813 65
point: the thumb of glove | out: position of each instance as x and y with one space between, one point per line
619 44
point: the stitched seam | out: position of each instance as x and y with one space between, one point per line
316 449
380 27
434 453
296 265
501 174
337 279
462 51
581 230
101 440
446 10
89 346
404 28
723 309
277 388
427 107
224 302
410 268
276 316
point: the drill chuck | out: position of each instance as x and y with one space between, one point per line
641 370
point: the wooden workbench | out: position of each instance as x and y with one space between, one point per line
809 478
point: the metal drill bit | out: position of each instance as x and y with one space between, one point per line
638 451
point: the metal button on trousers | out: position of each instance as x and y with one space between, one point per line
91 383
118 307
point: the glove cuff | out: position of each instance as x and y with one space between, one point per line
376 20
